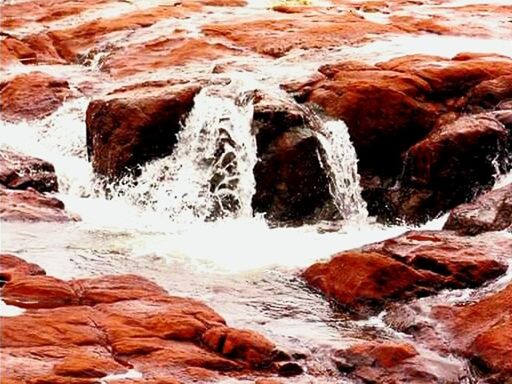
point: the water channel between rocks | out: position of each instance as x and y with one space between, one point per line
161 226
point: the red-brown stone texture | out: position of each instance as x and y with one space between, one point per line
412 265
82 330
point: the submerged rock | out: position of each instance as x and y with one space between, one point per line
91 328
32 96
489 212
412 265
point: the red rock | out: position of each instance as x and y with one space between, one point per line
30 205
490 93
18 171
136 125
276 37
39 292
75 42
482 332
127 321
12 267
32 96
411 265
393 362
240 344
454 161
355 279
291 184
460 261
109 289
21 13
33 49
38 364
163 53
489 212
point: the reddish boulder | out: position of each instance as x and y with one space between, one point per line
459 262
393 362
417 127
136 125
240 344
482 332
489 212
291 183
18 171
412 265
459 155
39 292
12 266
30 205
82 330
32 96
162 53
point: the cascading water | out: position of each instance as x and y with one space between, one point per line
210 173
339 158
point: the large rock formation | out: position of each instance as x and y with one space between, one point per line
83 330
412 112
133 126
413 265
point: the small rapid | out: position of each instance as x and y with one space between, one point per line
209 175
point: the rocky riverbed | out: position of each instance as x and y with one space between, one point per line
332 177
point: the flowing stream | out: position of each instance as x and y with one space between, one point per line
186 222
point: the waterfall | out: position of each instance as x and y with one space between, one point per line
210 173
339 159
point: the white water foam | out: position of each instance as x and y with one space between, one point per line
340 161
210 173
7 310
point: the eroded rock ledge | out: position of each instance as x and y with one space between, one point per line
80 331
24 182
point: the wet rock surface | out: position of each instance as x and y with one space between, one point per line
87 329
133 126
18 171
413 265
437 156
394 362
430 132
32 96
491 211
24 180
481 332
